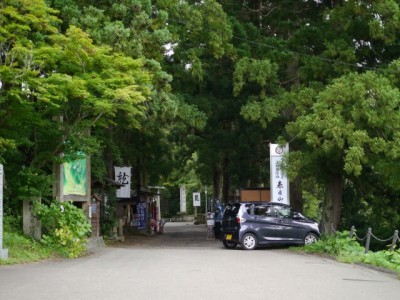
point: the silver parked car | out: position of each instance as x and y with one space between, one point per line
255 224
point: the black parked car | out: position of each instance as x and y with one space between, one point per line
254 224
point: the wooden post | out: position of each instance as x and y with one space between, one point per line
3 252
394 240
352 231
31 225
368 240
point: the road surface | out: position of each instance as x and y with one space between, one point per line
183 264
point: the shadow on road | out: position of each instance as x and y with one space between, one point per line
175 235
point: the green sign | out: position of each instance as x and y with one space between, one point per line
74 177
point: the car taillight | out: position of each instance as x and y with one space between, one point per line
240 220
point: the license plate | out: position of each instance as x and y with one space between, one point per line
228 237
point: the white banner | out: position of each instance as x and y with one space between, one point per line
182 190
123 176
279 180
196 200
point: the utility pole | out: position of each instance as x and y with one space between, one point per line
158 219
3 252
206 209
205 192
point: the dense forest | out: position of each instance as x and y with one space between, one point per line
193 91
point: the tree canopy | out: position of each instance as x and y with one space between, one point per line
174 88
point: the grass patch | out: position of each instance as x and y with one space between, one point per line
348 250
22 249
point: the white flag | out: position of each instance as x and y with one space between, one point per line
123 176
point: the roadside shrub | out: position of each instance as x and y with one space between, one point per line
348 250
337 244
23 249
108 218
65 227
386 259
12 223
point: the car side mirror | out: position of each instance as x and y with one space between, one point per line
297 216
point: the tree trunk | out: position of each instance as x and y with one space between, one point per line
225 181
108 155
216 182
332 204
296 194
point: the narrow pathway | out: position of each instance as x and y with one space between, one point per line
175 235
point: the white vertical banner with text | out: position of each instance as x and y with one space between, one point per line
182 198
123 176
279 180
196 200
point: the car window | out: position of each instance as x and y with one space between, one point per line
231 211
250 209
283 212
263 210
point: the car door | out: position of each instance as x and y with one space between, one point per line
263 223
286 228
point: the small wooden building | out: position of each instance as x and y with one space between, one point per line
140 213
100 190
255 195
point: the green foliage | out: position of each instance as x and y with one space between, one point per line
33 183
58 91
346 116
349 128
150 83
348 250
192 182
5 145
172 195
337 245
191 115
386 259
21 249
109 218
311 205
66 227
12 223
260 72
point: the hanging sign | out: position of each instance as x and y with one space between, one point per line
123 176
196 200
141 215
279 180
75 177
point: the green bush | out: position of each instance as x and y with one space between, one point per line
23 249
12 223
386 259
339 244
348 250
65 227
108 218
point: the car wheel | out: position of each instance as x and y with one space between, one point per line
310 238
249 241
229 245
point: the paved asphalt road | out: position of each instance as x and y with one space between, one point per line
183 264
